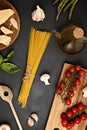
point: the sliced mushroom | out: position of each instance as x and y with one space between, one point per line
30 122
5 40
34 116
14 23
5 30
5 15
85 92
45 78
33 119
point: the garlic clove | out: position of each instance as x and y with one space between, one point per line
38 14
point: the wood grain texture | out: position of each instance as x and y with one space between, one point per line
58 107
4 4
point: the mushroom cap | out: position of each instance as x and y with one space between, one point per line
44 77
85 90
34 116
5 127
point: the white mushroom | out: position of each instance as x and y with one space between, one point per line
45 78
85 92
34 116
38 14
30 122
5 127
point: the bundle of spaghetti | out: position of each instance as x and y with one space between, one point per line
37 45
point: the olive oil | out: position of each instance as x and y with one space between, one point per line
68 39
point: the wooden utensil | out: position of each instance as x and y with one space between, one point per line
7 95
58 107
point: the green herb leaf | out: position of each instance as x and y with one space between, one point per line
9 56
9 67
1 59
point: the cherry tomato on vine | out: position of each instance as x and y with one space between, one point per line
74 87
71 93
68 126
67 100
78 82
82 72
77 120
59 90
69 113
67 74
72 123
74 109
64 122
83 116
71 69
80 106
62 84
77 67
63 116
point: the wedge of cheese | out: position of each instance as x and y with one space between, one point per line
14 23
5 40
5 30
5 15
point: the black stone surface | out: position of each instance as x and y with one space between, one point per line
41 96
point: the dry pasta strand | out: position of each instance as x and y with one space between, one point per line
37 44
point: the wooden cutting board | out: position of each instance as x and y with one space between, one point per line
54 120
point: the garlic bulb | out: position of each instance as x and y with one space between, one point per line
38 14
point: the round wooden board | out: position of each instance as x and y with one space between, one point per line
4 4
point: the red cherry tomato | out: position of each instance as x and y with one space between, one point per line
80 106
68 126
64 122
82 72
63 116
74 87
78 82
74 109
72 123
83 116
59 90
69 113
71 69
71 93
67 100
62 84
67 74
77 67
77 120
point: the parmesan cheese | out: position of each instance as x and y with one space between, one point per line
14 23
5 15
5 40
5 30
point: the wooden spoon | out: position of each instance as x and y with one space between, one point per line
7 95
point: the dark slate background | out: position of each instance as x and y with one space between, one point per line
41 96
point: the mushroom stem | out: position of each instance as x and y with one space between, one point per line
46 82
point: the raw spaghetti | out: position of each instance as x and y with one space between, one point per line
37 45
